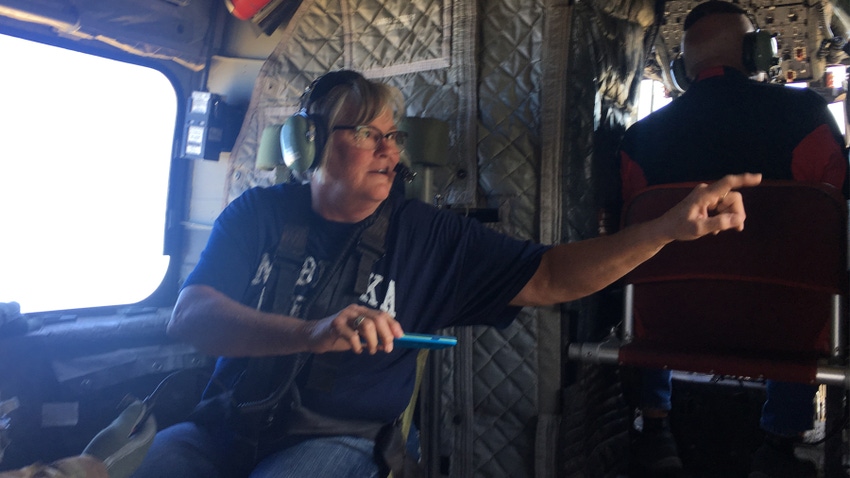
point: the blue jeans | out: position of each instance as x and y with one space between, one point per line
188 451
788 411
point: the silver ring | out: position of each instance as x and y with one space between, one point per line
359 320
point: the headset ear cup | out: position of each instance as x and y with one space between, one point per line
759 51
303 135
679 75
300 142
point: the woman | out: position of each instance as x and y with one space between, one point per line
368 266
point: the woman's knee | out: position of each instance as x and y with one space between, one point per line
339 456
184 450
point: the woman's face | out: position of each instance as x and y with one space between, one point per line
361 175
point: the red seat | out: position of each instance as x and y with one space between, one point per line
767 302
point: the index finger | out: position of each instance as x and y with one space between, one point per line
734 181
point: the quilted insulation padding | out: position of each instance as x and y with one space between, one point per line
503 364
605 61
594 428
406 44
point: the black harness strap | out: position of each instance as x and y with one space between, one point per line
371 248
292 251
288 260
264 404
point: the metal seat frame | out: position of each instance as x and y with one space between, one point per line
769 302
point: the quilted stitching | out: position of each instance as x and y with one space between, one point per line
392 33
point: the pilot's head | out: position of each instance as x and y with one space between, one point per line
714 36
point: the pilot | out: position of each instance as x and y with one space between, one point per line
309 382
728 123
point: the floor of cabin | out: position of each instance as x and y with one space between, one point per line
716 424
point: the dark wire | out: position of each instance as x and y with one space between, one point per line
150 400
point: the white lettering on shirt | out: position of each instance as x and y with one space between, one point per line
263 271
370 297
388 305
297 302
307 275
308 270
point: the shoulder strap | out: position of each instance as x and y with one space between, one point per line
371 246
288 260
290 252
292 249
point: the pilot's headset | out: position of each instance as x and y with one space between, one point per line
759 49
304 135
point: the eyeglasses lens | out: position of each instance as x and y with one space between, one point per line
368 137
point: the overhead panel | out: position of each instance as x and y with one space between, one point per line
168 30
799 28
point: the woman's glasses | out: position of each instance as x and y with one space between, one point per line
369 137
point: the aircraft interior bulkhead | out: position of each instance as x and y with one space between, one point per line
127 127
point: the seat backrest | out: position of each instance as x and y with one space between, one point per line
765 291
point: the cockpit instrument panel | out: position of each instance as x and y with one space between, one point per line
802 31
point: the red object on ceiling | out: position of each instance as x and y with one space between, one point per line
245 9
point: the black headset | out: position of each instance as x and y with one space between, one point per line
304 135
759 53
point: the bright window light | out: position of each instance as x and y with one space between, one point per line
83 177
652 97
835 79
837 109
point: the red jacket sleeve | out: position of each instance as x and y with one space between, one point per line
632 177
819 158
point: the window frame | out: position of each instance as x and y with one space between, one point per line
165 294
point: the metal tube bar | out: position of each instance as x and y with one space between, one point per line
628 313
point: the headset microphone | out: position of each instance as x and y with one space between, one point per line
406 173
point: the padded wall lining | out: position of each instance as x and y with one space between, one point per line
606 58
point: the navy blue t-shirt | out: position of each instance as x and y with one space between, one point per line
439 270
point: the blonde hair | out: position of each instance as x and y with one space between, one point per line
354 101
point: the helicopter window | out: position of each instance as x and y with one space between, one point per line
652 96
837 109
836 80
87 148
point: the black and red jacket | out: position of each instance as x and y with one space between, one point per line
727 124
